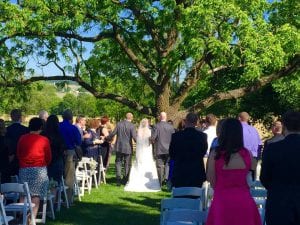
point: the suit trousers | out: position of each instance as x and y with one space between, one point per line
70 173
162 164
123 159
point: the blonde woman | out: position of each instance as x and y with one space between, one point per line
143 174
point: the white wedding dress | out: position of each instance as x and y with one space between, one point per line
143 174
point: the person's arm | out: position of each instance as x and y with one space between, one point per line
211 173
153 134
78 140
266 167
48 154
172 147
133 133
112 134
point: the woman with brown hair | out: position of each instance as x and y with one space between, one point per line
91 144
228 166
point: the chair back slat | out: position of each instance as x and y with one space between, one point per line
180 203
187 216
12 188
188 191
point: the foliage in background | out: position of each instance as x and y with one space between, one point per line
170 55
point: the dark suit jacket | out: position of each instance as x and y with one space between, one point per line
125 132
161 136
280 174
187 149
13 134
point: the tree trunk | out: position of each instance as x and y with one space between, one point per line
163 105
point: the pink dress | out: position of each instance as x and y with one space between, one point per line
232 202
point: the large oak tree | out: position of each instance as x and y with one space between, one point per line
150 55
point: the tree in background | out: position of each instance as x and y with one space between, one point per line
168 55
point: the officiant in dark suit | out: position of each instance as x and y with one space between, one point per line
161 137
187 149
280 174
126 132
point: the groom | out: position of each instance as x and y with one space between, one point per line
125 132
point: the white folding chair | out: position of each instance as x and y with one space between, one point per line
178 204
195 192
48 199
26 206
82 177
3 218
91 170
62 188
260 196
101 171
186 216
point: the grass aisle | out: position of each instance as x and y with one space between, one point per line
110 205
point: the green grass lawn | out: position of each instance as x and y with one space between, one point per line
110 205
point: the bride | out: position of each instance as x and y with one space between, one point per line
143 174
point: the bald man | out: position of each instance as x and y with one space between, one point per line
277 133
161 137
126 132
251 138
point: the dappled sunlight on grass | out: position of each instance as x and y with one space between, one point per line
111 205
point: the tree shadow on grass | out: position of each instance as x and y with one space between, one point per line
104 214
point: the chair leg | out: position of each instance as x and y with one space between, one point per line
60 189
51 208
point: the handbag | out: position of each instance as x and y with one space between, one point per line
78 152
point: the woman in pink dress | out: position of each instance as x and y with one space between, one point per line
228 167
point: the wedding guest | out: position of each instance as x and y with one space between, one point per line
161 137
280 174
187 148
72 139
91 144
126 133
105 146
34 155
210 130
13 134
58 147
43 114
4 152
80 123
228 167
277 133
251 139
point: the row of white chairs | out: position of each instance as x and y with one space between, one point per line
187 204
88 173
25 206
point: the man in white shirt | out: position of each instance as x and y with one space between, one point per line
210 131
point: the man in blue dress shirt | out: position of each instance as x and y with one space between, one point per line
72 139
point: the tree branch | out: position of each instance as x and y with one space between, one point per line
292 67
189 82
123 100
142 69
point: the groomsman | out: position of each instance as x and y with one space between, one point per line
125 132
161 137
